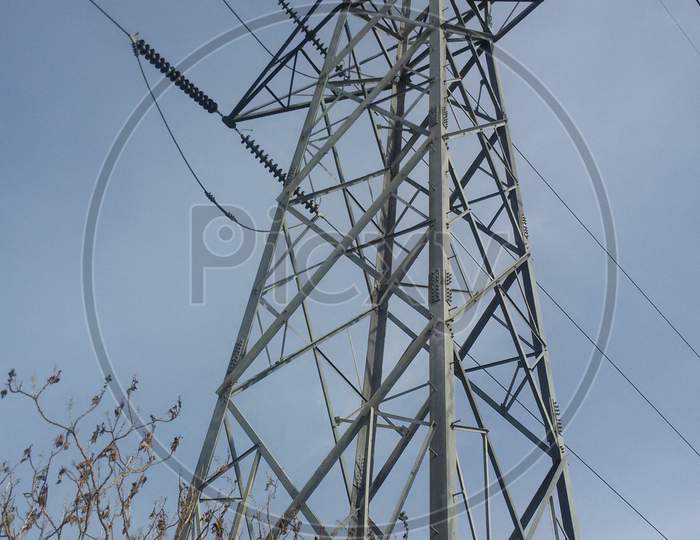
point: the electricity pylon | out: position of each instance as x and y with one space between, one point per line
403 184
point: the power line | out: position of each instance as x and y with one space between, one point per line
267 50
678 25
245 25
113 21
207 193
615 366
616 492
619 370
195 176
610 255
602 247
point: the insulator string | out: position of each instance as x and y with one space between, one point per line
171 72
310 34
276 171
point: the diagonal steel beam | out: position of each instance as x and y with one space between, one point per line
276 468
310 285
350 433
297 177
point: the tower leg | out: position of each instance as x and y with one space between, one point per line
443 458
364 459
531 293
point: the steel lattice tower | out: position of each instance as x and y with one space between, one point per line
404 146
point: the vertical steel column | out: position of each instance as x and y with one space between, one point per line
364 453
443 456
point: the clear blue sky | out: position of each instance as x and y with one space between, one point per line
622 70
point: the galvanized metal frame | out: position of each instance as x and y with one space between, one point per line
433 51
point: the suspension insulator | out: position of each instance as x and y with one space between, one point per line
310 34
160 63
275 169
